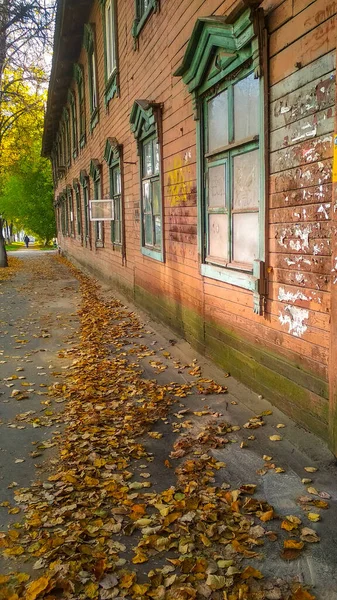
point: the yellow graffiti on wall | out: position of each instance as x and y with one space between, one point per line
334 166
179 182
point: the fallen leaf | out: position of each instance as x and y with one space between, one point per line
314 517
35 588
309 535
310 469
275 438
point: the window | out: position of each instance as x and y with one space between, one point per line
74 130
145 123
110 48
143 8
232 169
223 72
70 204
89 44
84 179
151 193
78 208
66 134
79 77
95 172
112 155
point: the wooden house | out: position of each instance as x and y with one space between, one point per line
209 125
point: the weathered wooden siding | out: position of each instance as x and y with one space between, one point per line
283 353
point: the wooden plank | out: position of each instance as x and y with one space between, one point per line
305 50
280 15
318 68
315 125
302 217
302 262
307 152
297 277
303 177
303 197
320 12
303 101
300 296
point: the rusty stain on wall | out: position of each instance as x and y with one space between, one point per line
179 181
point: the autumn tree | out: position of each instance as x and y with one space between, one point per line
25 36
26 191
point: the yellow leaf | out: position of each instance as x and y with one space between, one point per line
275 438
310 469
155 434
16 551
251 572
293 545
139 558
312 491
314 517
140 589
266 516
266 457
35 588
91 590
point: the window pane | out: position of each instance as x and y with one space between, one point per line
116 181
218 121
218 236
146 197
217 186
246 180
156 197
246 108
245 237
156 155
148 230
110 35
147 159
157 231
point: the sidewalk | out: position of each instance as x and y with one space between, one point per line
156 464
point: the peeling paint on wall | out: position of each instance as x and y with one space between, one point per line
289 296
294 318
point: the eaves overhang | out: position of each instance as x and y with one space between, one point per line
71 15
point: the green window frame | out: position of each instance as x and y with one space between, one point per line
145 122
223 71
70 204
77 190
84 180
74 128
89 44
96 174
143 9
110 39
66 138
113 156
79 78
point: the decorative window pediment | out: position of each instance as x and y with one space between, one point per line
89 37
95 168
78 73
217 48
144 118
112 150
83 177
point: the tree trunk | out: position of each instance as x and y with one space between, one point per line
3 253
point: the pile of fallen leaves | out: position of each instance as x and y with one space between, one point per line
96 530
13 265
